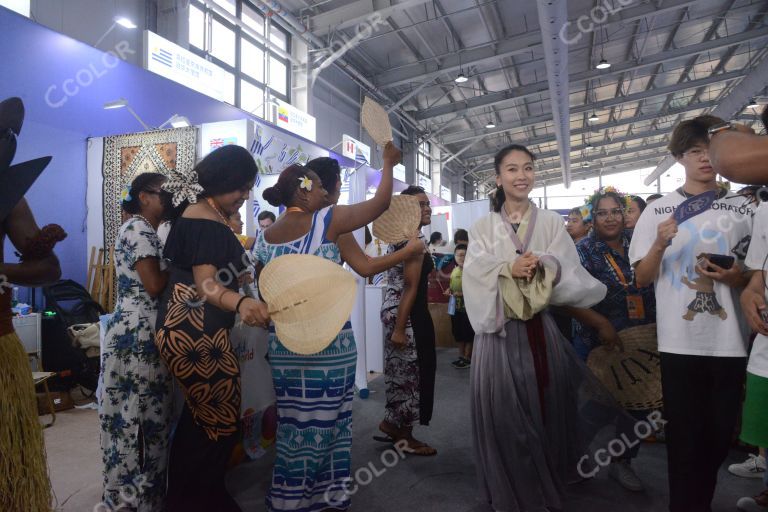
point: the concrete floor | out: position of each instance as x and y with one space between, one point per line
443 483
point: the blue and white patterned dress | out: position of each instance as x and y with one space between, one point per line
314 400
136 402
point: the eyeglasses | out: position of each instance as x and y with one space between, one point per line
697 152
614 212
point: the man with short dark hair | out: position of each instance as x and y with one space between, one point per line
701 338
265 219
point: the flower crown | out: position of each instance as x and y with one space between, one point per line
586 209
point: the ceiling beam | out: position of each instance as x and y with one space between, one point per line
604 126
589 157
554 14
729 106
463 135
537 88
357 13
492 52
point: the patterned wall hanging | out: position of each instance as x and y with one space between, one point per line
127 156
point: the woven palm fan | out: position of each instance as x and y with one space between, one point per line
309 298
633 376
400 222
375 120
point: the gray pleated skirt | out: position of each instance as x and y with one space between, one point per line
527 448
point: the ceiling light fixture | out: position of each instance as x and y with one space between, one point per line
490 124
594 117
753 103
176 121
124 22
603 64
460 78
123 103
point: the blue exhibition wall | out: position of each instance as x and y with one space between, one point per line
64 84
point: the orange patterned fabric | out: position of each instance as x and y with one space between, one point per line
203 363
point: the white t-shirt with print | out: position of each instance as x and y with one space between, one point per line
756 260
694 314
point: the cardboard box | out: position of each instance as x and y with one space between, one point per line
62 401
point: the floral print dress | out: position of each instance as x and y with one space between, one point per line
136 400
409 371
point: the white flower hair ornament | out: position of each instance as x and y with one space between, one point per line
305 183
183 187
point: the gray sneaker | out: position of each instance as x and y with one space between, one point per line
753 467
622 472
757 503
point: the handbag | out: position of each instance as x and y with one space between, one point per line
85 336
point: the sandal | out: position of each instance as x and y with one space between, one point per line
393 433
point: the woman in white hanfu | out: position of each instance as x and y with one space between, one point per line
535 405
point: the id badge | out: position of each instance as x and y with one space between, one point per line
635 307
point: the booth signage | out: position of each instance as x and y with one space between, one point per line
175 63
356 150
20 6
296 121
398 172
425 183
459 198
445 193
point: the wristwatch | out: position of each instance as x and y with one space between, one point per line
720 127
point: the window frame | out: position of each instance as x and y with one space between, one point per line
424 156
240 34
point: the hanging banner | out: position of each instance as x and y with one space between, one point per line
290 118
398 172
274 150
356 150
224 133
173 62
425 183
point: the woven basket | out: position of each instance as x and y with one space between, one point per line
309 298
633 376
400 222
375 120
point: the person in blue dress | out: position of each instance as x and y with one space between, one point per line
314 392
604 253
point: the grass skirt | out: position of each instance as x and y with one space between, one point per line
24 485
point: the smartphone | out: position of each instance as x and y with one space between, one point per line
721 260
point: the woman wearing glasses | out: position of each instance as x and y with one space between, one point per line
605 255
410 361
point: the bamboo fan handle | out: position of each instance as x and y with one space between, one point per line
272 312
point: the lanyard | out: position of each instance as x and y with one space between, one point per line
619 273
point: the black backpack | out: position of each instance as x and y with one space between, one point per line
70 304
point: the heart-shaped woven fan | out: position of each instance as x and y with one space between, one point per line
634 376
400 222
309 299
376 122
